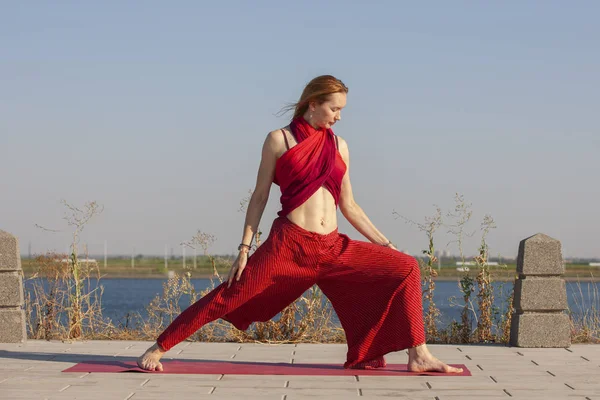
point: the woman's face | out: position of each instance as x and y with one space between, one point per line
328 113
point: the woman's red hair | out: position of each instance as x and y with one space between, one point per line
317 90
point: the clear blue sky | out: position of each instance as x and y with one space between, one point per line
158 110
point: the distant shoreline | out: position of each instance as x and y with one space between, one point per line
224 276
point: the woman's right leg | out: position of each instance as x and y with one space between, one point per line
259 274
221 300
271 281
274 276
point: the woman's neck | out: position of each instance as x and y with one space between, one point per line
311 123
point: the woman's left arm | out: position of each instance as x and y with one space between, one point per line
352 211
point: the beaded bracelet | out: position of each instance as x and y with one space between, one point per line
243 244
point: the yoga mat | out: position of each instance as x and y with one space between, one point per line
253 368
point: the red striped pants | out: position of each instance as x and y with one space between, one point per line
374 290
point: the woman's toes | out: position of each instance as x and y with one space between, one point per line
453 369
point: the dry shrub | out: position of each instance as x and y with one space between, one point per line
585 321
306 320
428 272
60 304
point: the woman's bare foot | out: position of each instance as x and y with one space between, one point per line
421 360
150 359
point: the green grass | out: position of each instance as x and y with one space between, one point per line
509 272
147 267
154 267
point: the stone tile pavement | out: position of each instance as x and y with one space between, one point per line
33 371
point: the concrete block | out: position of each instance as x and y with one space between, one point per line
540 255
540 294
540 330
12 326
11 289
10 258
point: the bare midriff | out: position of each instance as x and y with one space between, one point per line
317 214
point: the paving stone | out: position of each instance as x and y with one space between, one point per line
171 394
445 396
402 393
40 363
299 396
324 378
28 393
551 394
199 385
12 384
324 346
269 393
480 382
75 392
383 379
233 377
343 382
591 378
400 383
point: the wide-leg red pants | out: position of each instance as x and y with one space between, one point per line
374 290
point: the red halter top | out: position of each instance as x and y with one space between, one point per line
312 163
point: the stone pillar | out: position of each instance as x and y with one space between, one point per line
12 315
540 296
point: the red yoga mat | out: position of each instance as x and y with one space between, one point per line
253 368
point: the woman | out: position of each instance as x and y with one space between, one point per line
374 289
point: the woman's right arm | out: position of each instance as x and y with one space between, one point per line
258 201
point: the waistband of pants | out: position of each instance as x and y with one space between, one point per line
283 222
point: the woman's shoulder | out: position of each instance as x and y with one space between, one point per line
342 143
275 140
276 136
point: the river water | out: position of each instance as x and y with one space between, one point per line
131 296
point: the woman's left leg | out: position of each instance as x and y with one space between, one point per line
376 293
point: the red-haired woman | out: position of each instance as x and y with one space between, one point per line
374 288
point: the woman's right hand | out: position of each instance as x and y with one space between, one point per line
238 267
